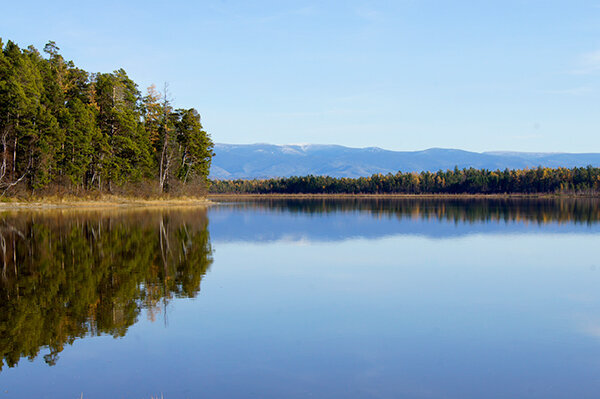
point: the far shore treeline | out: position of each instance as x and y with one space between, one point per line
458 181
63 129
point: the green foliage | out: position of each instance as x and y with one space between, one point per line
465 181
62 125
128 155
195 144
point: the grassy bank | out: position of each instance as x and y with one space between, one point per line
99 201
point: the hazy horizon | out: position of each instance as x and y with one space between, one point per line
490 151
512 75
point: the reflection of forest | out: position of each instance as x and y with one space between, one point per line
536 210
67 275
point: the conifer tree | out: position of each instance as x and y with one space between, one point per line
196 147
60 125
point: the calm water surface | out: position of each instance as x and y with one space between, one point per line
295 299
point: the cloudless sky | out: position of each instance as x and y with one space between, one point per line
403 75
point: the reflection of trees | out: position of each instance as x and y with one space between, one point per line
535 210
65 276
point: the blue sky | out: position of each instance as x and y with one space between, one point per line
403 75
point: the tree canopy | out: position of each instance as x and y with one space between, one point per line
65 127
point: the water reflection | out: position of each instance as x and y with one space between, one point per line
506 309
340 219
538 210
66 275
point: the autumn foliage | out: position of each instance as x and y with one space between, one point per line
466 181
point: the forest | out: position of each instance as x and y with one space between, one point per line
539 180
63 129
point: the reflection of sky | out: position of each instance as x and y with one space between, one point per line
513 314
492 316
231 223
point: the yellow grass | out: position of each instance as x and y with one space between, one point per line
102 201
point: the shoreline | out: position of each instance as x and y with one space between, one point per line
119 202
104 202
401 196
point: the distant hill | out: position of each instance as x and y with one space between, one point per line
251 161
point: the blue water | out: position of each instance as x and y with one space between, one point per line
356 303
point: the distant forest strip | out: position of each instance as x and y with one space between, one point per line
63 128
465 181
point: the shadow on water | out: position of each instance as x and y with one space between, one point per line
66 275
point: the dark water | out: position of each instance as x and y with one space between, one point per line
294 299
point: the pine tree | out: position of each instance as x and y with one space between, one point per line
60 125
196 146
129 156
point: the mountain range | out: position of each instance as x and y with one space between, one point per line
257 161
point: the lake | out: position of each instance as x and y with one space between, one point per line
347 298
